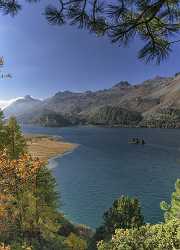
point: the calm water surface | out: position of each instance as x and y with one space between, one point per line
105 166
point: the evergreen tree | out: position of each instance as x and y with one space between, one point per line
46 188
28 211
1 117
29 203
125 213
16 144
2 131
73 242
155 22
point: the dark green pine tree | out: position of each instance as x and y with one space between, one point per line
16 144
125 213
2 131
155 22
9 7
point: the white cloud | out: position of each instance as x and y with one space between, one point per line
5 103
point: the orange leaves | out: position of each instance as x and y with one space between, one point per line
3 247
16 174
27 168
4 204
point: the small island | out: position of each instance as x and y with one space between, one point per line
45 146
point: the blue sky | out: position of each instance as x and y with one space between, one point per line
44 59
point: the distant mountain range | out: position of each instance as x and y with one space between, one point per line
153 103
21 106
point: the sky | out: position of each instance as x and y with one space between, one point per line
44 59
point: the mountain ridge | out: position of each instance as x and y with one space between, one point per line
20 106
121 103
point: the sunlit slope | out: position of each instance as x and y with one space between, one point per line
149 98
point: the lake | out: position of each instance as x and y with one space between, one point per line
105 166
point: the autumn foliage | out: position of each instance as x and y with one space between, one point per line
3 247
17 178
29 202
15 175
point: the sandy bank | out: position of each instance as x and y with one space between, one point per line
46 147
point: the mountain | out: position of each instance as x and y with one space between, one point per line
45 117
21 106
109 115
141 98
153 103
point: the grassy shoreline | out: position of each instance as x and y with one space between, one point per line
46 147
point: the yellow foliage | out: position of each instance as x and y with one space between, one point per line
73 242
4 204
15 174
3 247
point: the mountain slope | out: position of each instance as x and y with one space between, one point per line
21 106
44 117
159 91
109 115
135 103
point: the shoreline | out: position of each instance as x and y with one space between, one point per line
114 126
47 147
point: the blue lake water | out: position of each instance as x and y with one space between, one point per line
105 166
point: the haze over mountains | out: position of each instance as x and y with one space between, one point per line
153 103
6 103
